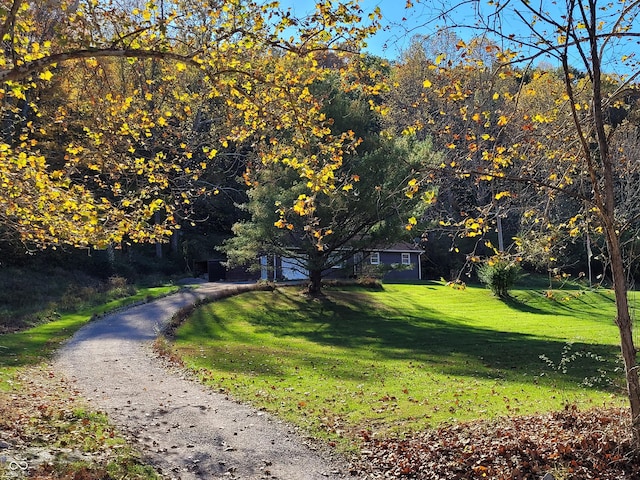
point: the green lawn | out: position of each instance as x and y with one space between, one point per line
405 358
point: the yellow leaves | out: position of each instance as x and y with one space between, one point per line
21 161
300 207
474 226
427 83
539 118
502 121
412 188
275 99
17 90
46 75
210 152
411 223
410 130
430 197
503 194
73 149
282 223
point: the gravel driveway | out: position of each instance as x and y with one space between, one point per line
186 430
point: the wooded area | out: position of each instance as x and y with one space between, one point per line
125 122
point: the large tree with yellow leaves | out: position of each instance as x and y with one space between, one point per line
100 165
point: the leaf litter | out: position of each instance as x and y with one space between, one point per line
48 433
43 426
570 444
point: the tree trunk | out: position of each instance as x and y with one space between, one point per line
158 244
606 203
315 283
625 327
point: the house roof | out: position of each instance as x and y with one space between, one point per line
400 247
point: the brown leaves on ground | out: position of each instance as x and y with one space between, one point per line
593 444
47 433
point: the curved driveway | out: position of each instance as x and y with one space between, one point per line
185 429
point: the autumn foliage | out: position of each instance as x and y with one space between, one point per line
112 112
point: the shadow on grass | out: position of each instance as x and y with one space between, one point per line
517 304
349 321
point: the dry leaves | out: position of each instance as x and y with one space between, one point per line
47 433
570 444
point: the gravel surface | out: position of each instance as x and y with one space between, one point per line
186 430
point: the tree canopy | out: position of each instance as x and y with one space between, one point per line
94 90
373 204
562 136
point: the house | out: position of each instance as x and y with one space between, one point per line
400 261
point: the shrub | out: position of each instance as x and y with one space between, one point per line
499 274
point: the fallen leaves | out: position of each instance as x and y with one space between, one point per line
579 445
45 426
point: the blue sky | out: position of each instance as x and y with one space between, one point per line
401 24
426 18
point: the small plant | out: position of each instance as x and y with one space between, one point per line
499 274
456 284
569 356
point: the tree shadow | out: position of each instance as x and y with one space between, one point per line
517 304
350 321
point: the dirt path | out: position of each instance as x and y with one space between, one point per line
183 428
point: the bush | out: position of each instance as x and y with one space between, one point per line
499 274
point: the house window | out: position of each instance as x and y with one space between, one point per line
374 258
406 259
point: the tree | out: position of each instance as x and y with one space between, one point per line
449 89
577 152
255 60
368 209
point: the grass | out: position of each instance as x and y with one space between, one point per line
56 437
406 358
